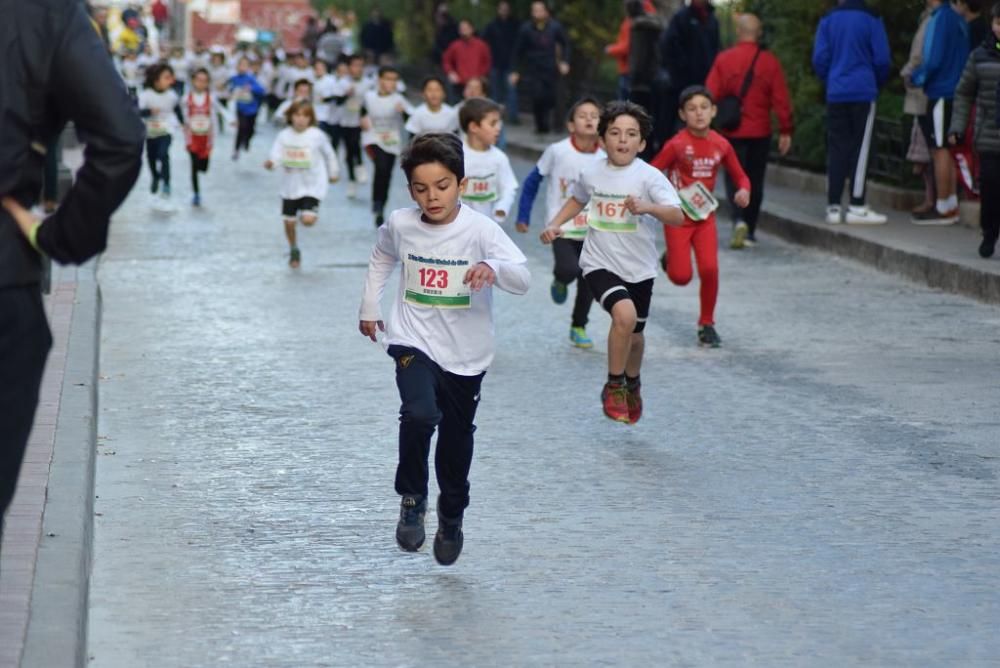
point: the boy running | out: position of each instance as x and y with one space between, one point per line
433 115
626 197
440 332
693 158
492 184
248 93
382 122
563 162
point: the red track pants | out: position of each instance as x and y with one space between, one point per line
703 237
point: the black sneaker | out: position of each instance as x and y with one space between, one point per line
448 540
663 262
708 337
379 220
410 528
987 247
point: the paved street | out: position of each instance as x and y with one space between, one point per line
823 490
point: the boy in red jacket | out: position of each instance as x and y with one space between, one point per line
692 159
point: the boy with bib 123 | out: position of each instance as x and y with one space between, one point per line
563 163
492 184
693 158
627 200
440 331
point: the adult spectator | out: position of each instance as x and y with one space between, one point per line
500 34
688 49
542 51
376 36
915 104
851 56
468 57
161 16
310 36
445 32
946 49
751 139
621 48
65 75
975 20
331 43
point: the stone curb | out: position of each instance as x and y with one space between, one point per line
57 626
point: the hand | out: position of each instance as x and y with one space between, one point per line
500 214
784 144
453 77
550 234
636 206
400 108
514 78
334 179
480 276
24 218
366 124
370 328
268 164
954 139
521 227
742 198
563 68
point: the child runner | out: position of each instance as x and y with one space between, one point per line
303 91
248 93
199 107
433 115
626 198
350 101
382 121
492 184
693 158
564 161
440 331
220 73
309 165
178 61
158 105
324 91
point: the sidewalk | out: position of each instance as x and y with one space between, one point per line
940 257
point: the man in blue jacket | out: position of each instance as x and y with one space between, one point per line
851 56
946 48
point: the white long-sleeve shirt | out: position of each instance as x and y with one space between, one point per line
433 311
161 120
307 162
492 184
385 113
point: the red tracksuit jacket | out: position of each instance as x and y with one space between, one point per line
767 91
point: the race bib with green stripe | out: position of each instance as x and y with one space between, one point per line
436 282
608 213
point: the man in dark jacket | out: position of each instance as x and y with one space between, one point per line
542 52
500 34
376 36
61 73
688 49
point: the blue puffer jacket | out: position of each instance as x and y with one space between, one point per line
946 48
851 53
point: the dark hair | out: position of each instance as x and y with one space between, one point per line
442 147
301 107
975 6
201 70
623 108
301 82
387 69
634 8
695 91
579 103
355 56
475 109
154 71
433 79
995 13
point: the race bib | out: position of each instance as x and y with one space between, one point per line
436 282
698 203
353 105
296 157
244 95
387 136
482 189
577 228
200 125
156 127
609 214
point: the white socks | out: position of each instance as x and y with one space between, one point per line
946 205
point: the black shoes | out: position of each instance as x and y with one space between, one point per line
708 337
410 528
448 540
987 247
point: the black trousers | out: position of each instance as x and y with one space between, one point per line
158 155
352 145
384 162
246 126
567 269
849 130
989 195
752 154
543 101
433 398
197 165
25 341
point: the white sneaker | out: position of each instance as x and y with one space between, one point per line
361 174
862 215
352 189
833 214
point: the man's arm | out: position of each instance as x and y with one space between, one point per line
882 60
821 52
965 95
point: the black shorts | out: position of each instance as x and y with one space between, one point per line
934 124
290 208
609 289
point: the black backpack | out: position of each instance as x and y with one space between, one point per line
730 108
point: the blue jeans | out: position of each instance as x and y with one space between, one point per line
503 92
624 86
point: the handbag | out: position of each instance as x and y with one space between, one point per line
730 108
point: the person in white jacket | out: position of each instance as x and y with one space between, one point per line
492 184
440 330
309 164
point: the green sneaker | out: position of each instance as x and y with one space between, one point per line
559 292
708 337
739 238
578 337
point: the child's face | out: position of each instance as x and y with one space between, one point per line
474 88
387 83
623 140
356 68
200 82
434 94
436 191
487 130
585 120
698 113
342 70
164 81
301 121
303 92
243 66
996 28
320 69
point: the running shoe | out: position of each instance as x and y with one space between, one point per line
578 336
708 337
379 220
410 528
833 214
750 242
155 185
862 215
634 401
559 291
166 190
196 200
352 189
448 540
663 262
935 217
987 247
361 173
739 239
615 400
294 258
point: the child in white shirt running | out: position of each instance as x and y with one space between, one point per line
382 122
350 100
492 184
309 164
627 197
158 106
433 115
440 332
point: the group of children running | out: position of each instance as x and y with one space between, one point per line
604 209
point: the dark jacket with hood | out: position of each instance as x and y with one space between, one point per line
689 46
980 85
644 51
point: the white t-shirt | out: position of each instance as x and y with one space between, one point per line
181 67
386 121
289 75
350 110
562 164
424 120
161 121
435 259
492 184
325 87
220 76
307 162
617 241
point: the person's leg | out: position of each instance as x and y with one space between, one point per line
584 297
165 162
678 239
384 163
838 150
417 378
989 211
567 262
195 164
742 149
458 398
862 142
352 144
623 322
24 345
706 253
153 157
251 129
756 168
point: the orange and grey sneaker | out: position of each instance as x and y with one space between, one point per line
633 399
615 399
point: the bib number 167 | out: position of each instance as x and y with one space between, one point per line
610 210
433 278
